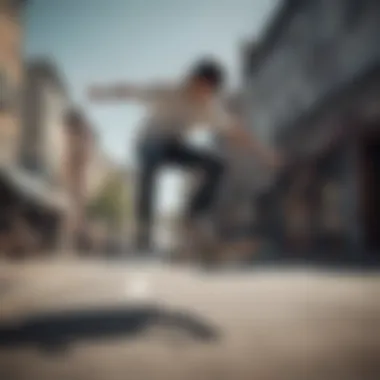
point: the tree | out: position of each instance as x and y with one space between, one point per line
112 205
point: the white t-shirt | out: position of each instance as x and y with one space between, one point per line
171 114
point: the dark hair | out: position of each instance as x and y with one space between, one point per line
209 71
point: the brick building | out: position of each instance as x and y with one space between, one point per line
313 90
11 75
99 168
43 151
80 143
11 83
88 169
33 182
43 144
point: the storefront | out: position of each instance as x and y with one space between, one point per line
314 93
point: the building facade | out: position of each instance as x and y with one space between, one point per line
11 77
44 131
100 166
11 84
312 90
79 143
34 181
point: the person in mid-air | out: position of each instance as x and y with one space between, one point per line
173 111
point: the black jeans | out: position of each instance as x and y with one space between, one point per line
153 155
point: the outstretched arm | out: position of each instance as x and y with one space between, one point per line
239 135
127 92
231 124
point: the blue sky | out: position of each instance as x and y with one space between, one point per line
138 41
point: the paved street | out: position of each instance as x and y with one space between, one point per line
91 320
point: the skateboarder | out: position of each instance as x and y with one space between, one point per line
173 111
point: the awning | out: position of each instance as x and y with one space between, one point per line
35 189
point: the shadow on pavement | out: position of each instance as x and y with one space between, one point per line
56 331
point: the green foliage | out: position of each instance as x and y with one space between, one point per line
112 205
